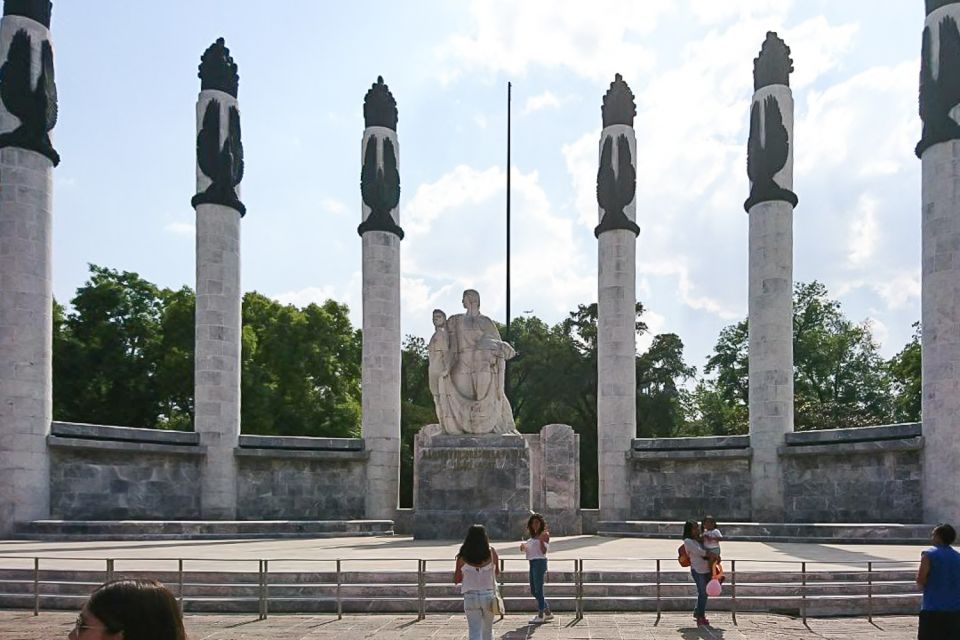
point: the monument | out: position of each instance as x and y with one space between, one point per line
467 369
770 291
616 299
939 153
473 466
218 319
380 235
28 112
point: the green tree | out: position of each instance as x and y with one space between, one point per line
840 380
106 350
416 408
301 369
905 372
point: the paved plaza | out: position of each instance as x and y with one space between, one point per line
399 553
24 626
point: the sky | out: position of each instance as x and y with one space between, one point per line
127 81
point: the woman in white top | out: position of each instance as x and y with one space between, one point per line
699 568
477 569
536 550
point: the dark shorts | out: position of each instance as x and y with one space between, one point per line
939 625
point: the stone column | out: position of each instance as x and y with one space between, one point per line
380 235
28 112
218 323
617 299
939 151
770 308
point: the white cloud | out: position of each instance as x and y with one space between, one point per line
306 296
901 291
333 206
593 40
545 100
864 231
455 240
185 229
838 119
711 11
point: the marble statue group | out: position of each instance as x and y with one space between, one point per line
467 372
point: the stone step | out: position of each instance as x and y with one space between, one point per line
847 533
743 578
821 606
81 530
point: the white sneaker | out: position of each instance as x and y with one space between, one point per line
547 616
537 619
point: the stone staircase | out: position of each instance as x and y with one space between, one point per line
824 594
780 532
79 530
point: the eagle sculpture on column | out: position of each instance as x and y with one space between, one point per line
35 107
222 164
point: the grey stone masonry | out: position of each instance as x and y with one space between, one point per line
123 434
866 481
218 331
301 443
686 484
940 319
26 334
106 480
555 477
770 313
300 485
463 480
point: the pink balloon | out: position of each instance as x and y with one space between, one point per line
714 588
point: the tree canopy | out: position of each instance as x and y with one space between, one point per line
124 350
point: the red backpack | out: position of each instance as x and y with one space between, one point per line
682 557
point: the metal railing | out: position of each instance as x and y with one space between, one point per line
579 584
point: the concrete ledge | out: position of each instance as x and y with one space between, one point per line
444 441
133 447
842 448
198 529
294 454
696 454
123 434
818 532
857 434
691 444
300 443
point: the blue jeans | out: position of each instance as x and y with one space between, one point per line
538 571
701 579
478 606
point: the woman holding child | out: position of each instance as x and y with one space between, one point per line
700 567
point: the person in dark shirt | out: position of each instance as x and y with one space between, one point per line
939 577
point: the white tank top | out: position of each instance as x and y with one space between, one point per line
478 578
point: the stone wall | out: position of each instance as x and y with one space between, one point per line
686 478
871 474
119 473
288 478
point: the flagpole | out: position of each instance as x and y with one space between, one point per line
506 381
509 88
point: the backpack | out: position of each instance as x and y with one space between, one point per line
682 557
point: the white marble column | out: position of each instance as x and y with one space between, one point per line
26 296
616 300
380 237
770 306
939 151
218 313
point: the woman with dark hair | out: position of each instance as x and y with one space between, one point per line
130 610
536 551
699 568
939 577
476 572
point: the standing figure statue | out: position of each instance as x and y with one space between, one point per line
467 372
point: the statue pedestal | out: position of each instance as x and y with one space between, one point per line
465 480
